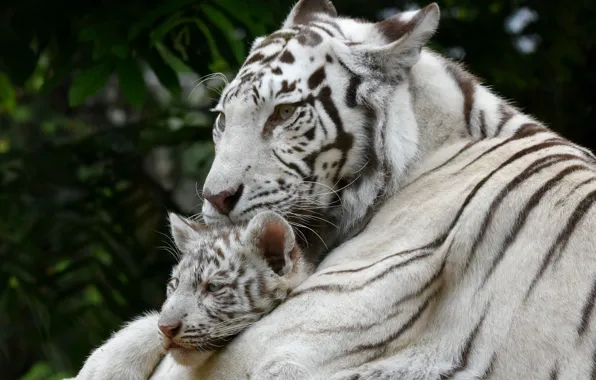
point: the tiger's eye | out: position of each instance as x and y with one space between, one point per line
285 111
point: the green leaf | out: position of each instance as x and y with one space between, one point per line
87 83
120 50
131 82
226 28
152 16
165 73
8 97
39 370
99 51
215 54
246 13
89 33
175 62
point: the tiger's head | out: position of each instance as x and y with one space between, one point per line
299 129
228 277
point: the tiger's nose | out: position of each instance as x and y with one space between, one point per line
170 329
225 201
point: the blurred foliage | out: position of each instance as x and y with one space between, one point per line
104 126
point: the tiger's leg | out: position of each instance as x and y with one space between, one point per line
455 341
399 320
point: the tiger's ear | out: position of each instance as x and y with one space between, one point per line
274 239
183 230
305 11
406 33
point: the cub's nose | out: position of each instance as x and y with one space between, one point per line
224 201
170 329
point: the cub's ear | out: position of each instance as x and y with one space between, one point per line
274 239
183 230
305 11
406 34
256 43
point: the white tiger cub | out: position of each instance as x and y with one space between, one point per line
472 249
226 279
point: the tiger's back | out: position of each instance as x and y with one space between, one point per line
513 302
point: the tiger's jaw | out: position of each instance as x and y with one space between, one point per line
214 218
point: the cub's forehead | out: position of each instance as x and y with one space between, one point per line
281 56
218 247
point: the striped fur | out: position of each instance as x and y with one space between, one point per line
227 279
465 247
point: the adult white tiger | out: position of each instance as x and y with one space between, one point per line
478 261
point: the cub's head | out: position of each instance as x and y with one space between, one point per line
227 278
299 129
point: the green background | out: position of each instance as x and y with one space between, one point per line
104 127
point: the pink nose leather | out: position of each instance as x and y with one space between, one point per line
225 201
170 330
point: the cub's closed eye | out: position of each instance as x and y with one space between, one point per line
211 287
220 122
173 284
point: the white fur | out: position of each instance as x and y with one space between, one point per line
458 326
132 352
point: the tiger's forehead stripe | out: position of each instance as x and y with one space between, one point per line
274 51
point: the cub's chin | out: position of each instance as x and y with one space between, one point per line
189 357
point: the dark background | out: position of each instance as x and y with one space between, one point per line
101 133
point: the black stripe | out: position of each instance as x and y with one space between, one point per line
395 307
532 169
264 205
431 281
451 159
583 183
248 286
316 78
352 90
593 369
405 327
488 372
521 154
526 130
523 216
466 84
334 25
323 126
482 124
464 356
563 237
587 311
400 253
574 189
506 114
337 288
554 373
290 166
323 28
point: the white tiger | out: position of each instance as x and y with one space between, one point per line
465 241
